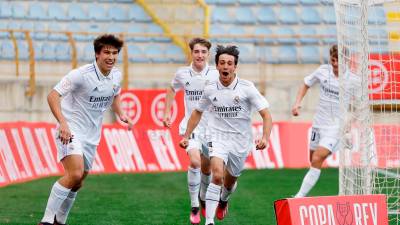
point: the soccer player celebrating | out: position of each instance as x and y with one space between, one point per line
192 80
232 101
325 128
78 103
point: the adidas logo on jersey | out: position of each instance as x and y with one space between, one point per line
187 83
215 99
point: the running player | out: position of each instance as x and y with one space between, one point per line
78 103
325 128
232 101
192 79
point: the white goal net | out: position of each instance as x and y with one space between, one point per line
369 47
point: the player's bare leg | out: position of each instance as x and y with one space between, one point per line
194 184
317 158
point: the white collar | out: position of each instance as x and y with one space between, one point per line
99 74
230 86
201 73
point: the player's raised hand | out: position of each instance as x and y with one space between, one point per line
184 143
127 120
167 122
296 110
64 133
261 144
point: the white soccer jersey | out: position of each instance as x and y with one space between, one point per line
231 112
327 113
352 89
87 93
193 85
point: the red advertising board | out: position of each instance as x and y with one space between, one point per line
340 210
384 78
146 107
28 151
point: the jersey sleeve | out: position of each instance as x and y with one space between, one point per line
204 103
313 78
258 102
117 83
69 83
176 83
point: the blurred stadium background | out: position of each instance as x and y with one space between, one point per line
280 41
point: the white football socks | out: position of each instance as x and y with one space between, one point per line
310 179
205 181
194 185
212 200
62 213
57 196
227 192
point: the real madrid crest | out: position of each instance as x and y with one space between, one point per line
236 100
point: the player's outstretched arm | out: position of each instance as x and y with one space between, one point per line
300 95
54 100
168 103
191 125
267 126
116 107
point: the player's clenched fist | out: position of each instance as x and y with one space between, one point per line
296 110
261 144
184 143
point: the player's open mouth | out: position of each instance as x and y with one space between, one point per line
225 73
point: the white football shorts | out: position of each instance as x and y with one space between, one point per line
224 150
198 142
324 137
77 147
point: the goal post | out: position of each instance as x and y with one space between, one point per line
369 49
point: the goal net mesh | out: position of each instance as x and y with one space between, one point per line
369 49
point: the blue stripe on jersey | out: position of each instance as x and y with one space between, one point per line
236 84
96 72
89 69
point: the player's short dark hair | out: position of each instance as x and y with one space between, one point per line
107 39
198 40
333 51
230 50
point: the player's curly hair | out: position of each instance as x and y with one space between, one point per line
230 50
107 39
198 40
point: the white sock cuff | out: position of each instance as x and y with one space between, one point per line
205 178
60 190
193 176
315 171
214 188
194 170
